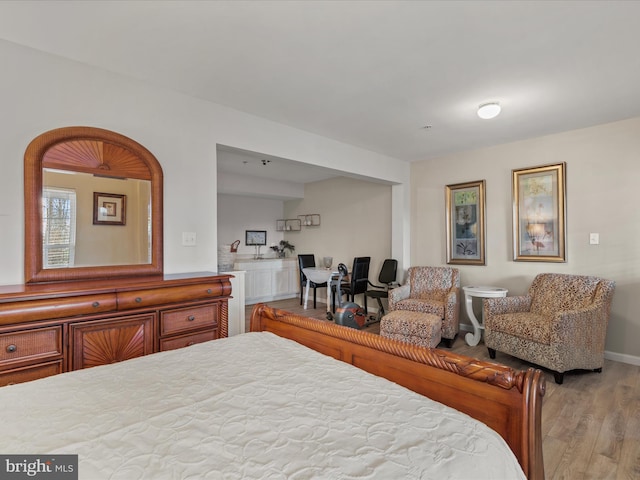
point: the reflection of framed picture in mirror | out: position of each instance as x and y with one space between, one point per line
255 237
109 209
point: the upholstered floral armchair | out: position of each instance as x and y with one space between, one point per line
561 324
434 290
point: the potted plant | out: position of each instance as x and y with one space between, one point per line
281 248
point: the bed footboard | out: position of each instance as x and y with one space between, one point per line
507 400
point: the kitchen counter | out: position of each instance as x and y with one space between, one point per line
269 279
268 260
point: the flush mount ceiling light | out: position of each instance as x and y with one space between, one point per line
489 110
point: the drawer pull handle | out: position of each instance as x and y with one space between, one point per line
190 343
209 291
138 300
11 348
96 304
191 318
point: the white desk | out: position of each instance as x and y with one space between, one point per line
318 275
482 292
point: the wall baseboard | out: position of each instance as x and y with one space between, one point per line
466 328
622 357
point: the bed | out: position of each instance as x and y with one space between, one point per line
259 405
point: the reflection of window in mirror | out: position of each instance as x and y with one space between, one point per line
58 227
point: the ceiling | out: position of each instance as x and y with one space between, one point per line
369 73
243 162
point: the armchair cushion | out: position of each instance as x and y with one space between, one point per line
431 283
525 325
434 307
556 292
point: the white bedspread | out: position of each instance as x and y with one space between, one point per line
251 406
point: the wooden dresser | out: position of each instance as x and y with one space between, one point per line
52 328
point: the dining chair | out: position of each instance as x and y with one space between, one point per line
307 261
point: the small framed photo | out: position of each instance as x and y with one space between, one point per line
465 223
539 214
109 209
255 237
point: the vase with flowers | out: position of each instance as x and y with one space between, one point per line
282 247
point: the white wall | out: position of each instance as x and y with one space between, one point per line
237 213
40 92
229 183
355 221
602 184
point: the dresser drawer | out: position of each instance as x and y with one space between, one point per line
111 339
26 374
189 318
162 296
31 310
28 345
187 340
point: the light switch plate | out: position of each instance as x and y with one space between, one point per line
594 239
189 239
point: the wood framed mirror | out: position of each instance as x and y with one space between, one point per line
93 207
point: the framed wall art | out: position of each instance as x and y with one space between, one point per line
465 206
539 207
255 237
109 209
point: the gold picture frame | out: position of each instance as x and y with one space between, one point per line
539 214
465 213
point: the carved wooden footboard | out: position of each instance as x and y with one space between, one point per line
507 400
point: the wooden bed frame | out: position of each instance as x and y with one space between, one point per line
507 400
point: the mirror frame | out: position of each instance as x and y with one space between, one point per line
33 165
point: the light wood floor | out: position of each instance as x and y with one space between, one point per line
590 423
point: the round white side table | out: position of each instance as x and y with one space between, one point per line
482 292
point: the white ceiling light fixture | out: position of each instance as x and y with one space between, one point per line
490 110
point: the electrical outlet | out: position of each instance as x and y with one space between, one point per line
189 239
594 239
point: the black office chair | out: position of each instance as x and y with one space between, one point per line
358 282
306 261
387 278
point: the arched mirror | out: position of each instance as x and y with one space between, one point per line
93 206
